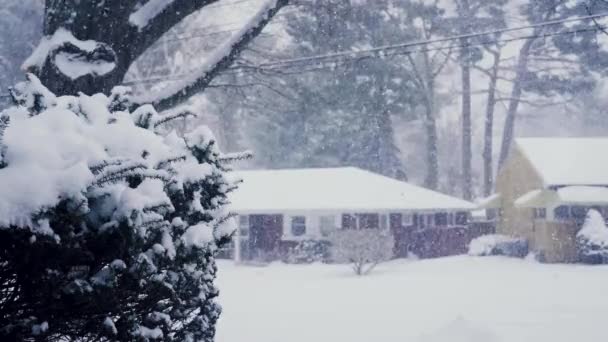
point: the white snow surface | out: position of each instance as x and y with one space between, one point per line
568 161
456 299
69 66
142 16
346 188
594 229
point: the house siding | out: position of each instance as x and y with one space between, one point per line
516 177
553 241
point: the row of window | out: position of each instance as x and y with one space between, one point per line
327 223
566 212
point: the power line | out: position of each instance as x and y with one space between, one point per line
439 40
396 49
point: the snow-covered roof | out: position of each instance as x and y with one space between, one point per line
569 195
333 189
567 161
490 202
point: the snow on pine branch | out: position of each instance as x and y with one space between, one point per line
218 55
73 57
75 148
143 15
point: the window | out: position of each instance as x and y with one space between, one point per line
244 225
368 221
421 221
298 225
491 214
578 212
429 220
360 221
406 220
461 219
441 219
327 224
562 212
540 213
349 221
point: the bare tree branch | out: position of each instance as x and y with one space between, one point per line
226 55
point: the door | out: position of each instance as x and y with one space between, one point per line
265 233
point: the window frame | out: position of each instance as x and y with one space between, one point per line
293 225
323 230
407 219
243 226
540 213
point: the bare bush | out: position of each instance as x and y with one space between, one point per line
364 248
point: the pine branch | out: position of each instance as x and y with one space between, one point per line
177 114
237 156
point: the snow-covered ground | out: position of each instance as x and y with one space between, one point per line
457 299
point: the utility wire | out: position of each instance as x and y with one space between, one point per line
392 50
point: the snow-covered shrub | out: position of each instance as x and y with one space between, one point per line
496 244
592 239
108 228
364 248
308 251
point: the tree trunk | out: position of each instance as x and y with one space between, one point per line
520 74
430 126
488 176
467 182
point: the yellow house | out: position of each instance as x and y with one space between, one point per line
545 188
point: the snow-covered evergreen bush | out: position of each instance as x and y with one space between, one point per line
308 251
496 244
592 239
363 248
108 228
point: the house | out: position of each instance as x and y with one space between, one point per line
545 188
279 208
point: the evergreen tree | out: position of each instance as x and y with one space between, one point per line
108 224
341 114
592 239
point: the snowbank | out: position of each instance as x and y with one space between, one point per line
460 330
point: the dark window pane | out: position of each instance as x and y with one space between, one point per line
298 225
562 212
368 221
349 221
461 219
578 212
441 219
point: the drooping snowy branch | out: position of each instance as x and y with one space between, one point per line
220 60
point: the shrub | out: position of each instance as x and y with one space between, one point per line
308 251
592 239
363 249
496 244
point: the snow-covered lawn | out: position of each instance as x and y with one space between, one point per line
457 299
